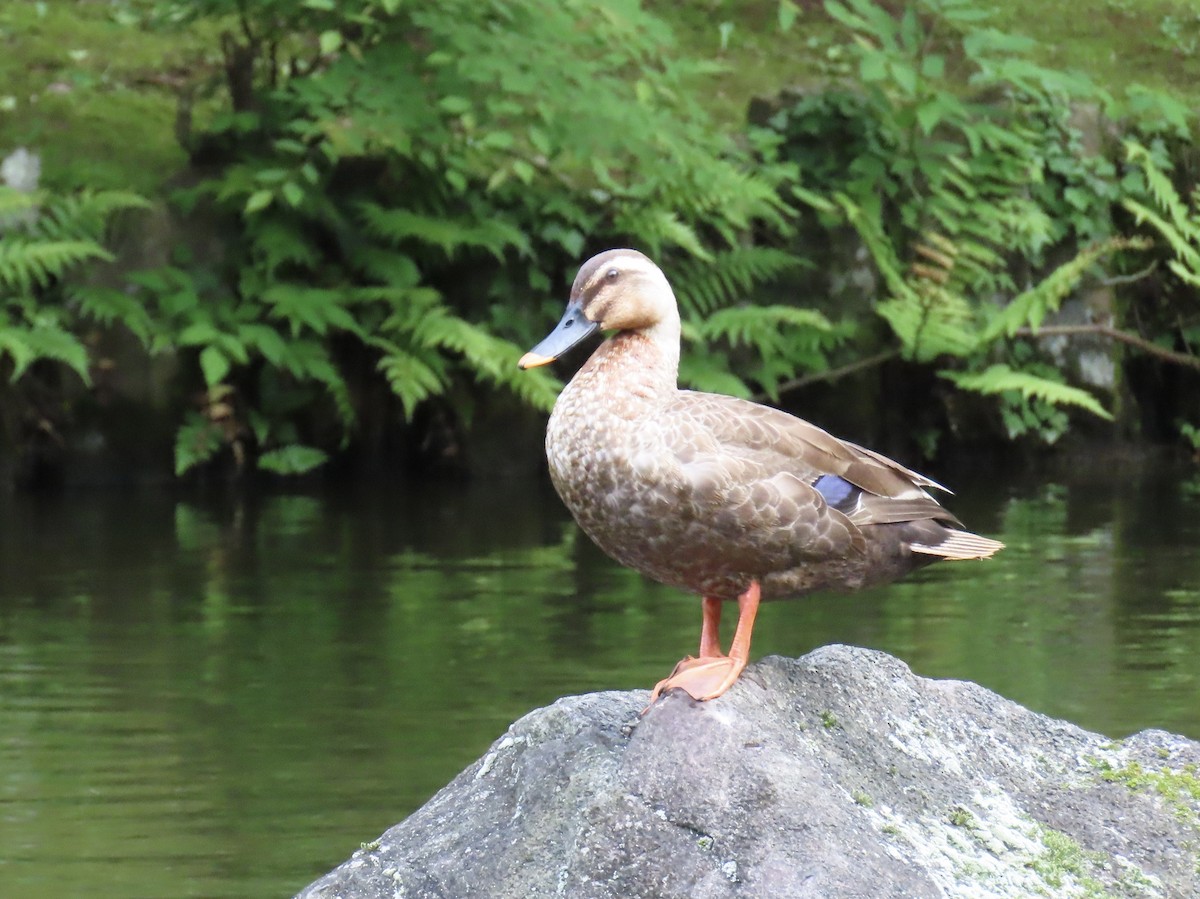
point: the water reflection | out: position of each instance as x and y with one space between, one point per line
223 695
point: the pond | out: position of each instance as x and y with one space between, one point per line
223 695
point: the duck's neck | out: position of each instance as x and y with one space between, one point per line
636 365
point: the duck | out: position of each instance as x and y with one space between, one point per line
721 497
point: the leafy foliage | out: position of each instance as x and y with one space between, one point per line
399 176
964 197
1175 219
44 238
404 191
1000 378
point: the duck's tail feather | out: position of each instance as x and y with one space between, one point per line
960 545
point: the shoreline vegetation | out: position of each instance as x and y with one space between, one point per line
296 238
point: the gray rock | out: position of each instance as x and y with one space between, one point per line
840 774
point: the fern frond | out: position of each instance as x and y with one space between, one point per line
934 323
869 228
84 215
657 228
1162 190
449 234
309 359
1030 308
1180 240
43 340
709 372
1188 271
1000 378
760 325
196 441
314 308
929 319
26 265
413 376
733 199
48 340
279 241
488 357
106 305
704 285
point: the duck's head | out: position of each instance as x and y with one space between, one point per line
619 290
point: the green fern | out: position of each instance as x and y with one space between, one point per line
761 326
1000 378
1176 220
26 265
45 237
196 441
1029 308
929 318
414 375
84 215
314 308
109 306
449 234
488 357
25 345
659 229
704 369
384 200
728 276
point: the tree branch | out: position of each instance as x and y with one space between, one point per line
1098 330
1117 280
835 374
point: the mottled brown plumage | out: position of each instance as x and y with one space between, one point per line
714 494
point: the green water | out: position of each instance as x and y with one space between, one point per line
219 697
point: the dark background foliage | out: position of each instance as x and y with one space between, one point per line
934 239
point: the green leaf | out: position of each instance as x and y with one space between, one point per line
495 235
200 333
267 341
258 201
293 193
412 378
292 460
788 11
523 170
330 42
872 67
1030 307
455 105
933 67
905 76
214 364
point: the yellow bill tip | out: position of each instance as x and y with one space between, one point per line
533 360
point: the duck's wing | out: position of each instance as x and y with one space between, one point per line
749 443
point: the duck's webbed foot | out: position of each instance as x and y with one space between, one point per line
713 672
702 679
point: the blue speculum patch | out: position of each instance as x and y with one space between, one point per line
838 492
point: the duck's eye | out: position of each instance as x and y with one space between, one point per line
612 274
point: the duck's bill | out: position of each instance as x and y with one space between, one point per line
572 329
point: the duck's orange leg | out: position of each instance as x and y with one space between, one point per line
710 675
